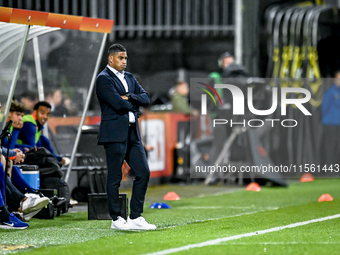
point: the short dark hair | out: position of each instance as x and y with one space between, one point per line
29 94
42 103
17 107
114 48
180 82
224 55
336 72
50 92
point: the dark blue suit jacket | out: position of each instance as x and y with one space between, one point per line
114 124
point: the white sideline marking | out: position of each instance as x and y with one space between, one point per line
220 207
225 217
228 238
219 193
200 207
283 243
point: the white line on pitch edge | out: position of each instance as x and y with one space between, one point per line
282 243
229 238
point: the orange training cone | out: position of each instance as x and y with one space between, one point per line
307 178
325 197
253 186
171 196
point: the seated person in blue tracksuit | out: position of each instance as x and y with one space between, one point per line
16 114
26 134
16 185
7 220
30 135
24 205
14 172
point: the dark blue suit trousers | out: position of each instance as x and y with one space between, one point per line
133 152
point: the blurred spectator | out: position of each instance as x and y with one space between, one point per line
29 99
227 69
223 62
330 111
55 99
179 99
71 108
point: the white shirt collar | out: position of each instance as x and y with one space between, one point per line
121 77
115 71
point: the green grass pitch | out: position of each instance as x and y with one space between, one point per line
197 218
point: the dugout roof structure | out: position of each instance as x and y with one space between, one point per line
17 27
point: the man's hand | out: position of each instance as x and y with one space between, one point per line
125 97
18 124
65 161
148 147
20 156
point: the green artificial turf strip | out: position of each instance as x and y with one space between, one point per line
316 238
144 242
300 199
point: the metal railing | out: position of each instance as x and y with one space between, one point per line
147 18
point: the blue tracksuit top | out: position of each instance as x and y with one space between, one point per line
330 107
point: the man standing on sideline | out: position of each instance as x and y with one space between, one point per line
120 95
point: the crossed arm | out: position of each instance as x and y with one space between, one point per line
108 93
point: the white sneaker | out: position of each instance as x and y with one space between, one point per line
32 195
30 215
140 223
120 224
32 204
73 202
